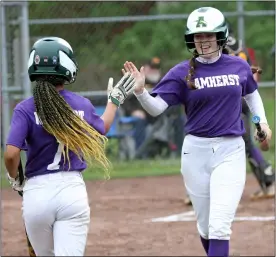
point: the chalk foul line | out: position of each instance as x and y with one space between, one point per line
190 216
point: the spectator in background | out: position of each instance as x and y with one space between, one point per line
133 108
161 136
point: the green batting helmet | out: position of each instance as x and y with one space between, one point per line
206 20
52 56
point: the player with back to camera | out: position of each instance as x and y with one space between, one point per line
63 134
210 85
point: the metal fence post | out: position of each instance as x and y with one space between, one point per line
4 79
240 10
25 40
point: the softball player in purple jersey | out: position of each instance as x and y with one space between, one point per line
62 134
210 85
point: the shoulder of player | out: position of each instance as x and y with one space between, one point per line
181 69
237 60
182 65
24 105
78 98
233 58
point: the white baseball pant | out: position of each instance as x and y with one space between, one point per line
214 172
56 213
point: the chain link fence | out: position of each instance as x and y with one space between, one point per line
103 35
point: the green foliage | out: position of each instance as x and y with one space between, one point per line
166 38
102 48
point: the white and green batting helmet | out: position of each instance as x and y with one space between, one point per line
208 20
52 56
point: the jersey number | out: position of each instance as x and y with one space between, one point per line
55 164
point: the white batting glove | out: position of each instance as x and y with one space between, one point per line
109 87
118 94
15 183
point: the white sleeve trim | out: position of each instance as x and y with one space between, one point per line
255 104
152 105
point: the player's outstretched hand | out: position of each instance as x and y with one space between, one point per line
264 145
138 75
118 94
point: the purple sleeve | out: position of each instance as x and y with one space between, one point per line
251 85
19 129
170 89
93 119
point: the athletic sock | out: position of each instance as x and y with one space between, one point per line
218 248
205 243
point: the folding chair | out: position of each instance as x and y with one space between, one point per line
122 130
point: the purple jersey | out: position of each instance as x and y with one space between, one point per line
214 108
44 153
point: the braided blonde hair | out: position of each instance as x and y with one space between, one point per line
191 72
59 120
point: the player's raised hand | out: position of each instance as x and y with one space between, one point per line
138 75
121 90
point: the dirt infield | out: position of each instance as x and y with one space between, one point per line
121 208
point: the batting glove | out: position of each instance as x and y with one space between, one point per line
15 183
118 94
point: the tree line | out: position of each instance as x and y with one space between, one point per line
102 48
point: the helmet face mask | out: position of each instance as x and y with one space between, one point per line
52 56
206 20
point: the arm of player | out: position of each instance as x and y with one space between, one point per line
15 142
12 158
115 97
109 115
164 94
255 104
153 105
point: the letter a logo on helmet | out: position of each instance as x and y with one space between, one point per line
206 20
201 22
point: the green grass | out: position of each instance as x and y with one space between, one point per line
130 169
172 166
138 168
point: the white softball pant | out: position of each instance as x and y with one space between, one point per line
56 213
214 172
